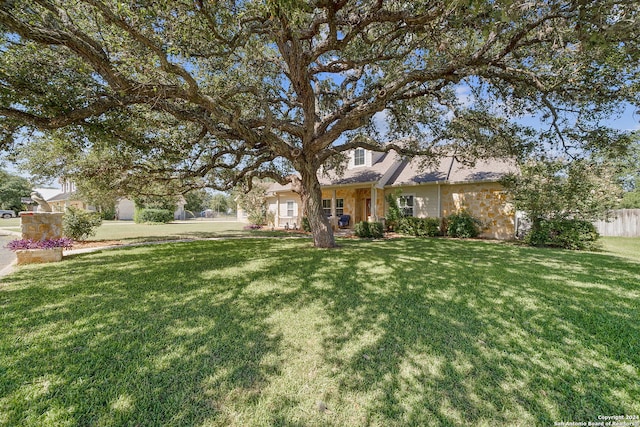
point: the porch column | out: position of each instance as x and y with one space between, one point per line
334 219
333 203
374 202
277 220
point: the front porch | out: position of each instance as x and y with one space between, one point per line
360 203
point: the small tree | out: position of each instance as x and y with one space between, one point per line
559 190
79 224
221 202
254 203
197 200
628 165
394 214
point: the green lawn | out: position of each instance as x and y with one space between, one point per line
622 246
270 332
128 230
131 232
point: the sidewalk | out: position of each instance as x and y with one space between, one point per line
7 257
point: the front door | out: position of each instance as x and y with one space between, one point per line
367 209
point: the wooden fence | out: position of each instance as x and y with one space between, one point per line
623 223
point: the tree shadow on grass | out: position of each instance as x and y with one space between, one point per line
467 335
412 332
135 343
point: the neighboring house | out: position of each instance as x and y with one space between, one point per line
61 198
125 208
444 189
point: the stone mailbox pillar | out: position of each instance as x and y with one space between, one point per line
40 226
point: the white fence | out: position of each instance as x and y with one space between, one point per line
623 223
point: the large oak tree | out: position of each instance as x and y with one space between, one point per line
210 92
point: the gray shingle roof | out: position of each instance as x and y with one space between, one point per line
389 170
361 174
62 196
451 170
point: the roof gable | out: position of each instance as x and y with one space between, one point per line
362 174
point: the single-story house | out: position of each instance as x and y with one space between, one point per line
439 191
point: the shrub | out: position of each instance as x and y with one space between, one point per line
376 229
257 217
271 219
79 224
161 216
563 233
305 224
16 245
369 230
421 227
361 229
108 213
463 225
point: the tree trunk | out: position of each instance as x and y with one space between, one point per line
311 195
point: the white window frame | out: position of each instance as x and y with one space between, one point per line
359 160
325 208
407 210
291 208
339 207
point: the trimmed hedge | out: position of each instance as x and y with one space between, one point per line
420 227
368 230
153 216
563 233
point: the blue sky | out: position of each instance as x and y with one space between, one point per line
630 120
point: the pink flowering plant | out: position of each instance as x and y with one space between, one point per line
17 245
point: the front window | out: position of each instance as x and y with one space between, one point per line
326 207
358 157
405 203
290 207
339 207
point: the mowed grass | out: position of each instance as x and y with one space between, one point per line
261 332
130 231
622 246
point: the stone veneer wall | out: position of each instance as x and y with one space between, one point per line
487 202
41 225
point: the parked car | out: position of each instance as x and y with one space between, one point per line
6 213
